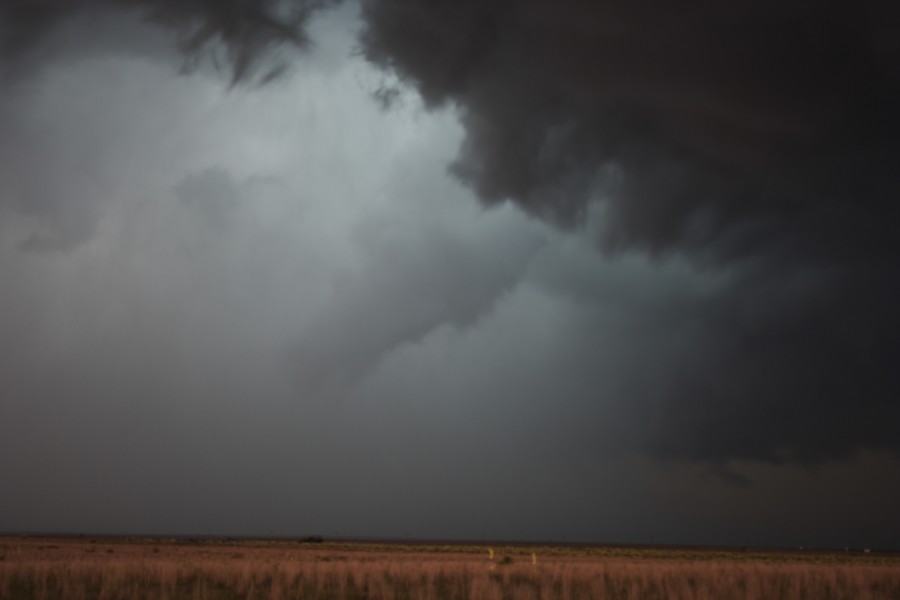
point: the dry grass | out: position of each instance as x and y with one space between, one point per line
154 569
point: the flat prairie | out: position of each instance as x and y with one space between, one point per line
174 569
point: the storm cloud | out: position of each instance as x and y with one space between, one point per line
236 35
574 257
760 138
733 126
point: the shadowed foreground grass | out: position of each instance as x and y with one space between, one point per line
151 569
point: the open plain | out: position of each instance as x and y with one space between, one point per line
181 569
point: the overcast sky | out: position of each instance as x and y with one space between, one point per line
584 271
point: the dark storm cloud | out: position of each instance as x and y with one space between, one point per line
202 259
757 138
754 138
719 128
791 365
716 124
248 30
796 365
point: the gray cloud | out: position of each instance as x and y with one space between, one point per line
671 135
748 363
243 37
417 272
211 194
721 120
757 139
82 138
272 310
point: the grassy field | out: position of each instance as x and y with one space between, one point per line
118 568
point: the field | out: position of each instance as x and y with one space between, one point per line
176 569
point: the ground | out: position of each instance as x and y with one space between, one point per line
181 568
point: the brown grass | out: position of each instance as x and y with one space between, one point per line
47 569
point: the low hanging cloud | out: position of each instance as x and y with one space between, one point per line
407 288
759 139
755 139
749 364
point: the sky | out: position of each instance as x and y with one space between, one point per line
516 270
